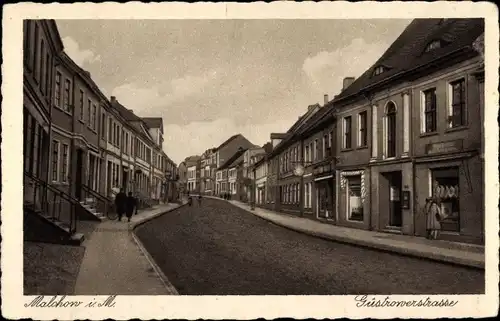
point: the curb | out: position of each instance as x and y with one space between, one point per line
166 283
382 247
132 226
164 280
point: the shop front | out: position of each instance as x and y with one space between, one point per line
456 185
353 200
391 190
324 184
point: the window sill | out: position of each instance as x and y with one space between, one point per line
343 150
355 221
429 134
456 129
81 121
362 147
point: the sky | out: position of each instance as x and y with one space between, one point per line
211 79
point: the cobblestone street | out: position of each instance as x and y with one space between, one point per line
219 249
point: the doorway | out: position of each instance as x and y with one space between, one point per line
79 173
125 180
394 180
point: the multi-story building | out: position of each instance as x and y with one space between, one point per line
182 177
78 145
207 171
193 173
406 132
225 151
247 171
289 156
260 185
227 175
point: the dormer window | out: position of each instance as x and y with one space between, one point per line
435 44
378 70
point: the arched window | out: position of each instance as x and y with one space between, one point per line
391 129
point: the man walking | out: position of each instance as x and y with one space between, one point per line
131 205
120 203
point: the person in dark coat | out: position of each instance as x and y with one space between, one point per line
131 205
120 203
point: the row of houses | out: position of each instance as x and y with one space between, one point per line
410 127
79 142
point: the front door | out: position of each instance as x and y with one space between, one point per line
322 199
395 211
125 180
79 173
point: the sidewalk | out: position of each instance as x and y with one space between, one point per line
116 263
450 252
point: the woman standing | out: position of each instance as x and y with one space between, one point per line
433 212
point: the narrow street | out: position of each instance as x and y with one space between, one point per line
219 249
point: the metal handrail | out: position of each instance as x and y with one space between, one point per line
103 204
53 205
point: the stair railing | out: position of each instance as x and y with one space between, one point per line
102 204
54 203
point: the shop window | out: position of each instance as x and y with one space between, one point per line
354 200
445 187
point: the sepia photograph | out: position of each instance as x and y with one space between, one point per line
253 157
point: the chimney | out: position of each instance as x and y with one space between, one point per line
113 99
326 99
347 82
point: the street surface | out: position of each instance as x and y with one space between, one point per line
219 249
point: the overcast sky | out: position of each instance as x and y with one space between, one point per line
210 79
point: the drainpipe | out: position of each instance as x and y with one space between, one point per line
301 189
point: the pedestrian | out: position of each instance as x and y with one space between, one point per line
199 200
120 203
433 217
131 205
190 200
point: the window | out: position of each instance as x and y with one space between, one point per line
57 96
457 110
435 44
65 164
110 130
330 140
446 187
354 200
36 56
430 124
55 161
362 129
103 125
82 107
89 111
316 148
42 66
66 98
347 132
378 70
306 153
391 129
325 142
94 117
306 195
47 74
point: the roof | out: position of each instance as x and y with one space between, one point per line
229 162
408 50
237 161
124 112
154 122
230 139
278 135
